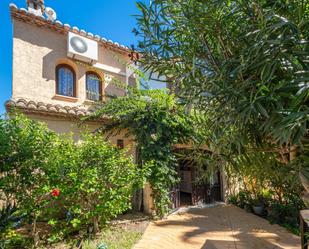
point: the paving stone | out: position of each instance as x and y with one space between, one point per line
216 227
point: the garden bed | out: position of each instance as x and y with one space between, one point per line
122 232
284 212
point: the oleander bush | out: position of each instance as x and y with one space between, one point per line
69 186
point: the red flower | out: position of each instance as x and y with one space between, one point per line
55 192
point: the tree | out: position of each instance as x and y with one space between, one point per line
244 64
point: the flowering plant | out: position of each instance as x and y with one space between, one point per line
55 192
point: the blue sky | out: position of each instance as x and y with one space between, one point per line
109 18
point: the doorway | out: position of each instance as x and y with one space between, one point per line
192 192
185 186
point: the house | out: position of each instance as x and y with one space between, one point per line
59 71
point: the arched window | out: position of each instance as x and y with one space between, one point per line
93 86
65 80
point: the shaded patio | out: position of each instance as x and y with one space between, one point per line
216 227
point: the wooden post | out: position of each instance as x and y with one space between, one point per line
137 200
304 228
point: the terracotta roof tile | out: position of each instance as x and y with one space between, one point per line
24 15
43 108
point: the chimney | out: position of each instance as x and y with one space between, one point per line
36 7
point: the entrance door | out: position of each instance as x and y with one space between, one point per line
208 192
174 196
213 189
199 195
189 191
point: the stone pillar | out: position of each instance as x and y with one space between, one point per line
148 200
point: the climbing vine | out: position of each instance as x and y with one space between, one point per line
156 122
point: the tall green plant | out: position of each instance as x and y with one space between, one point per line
244 64
96 180
25 146
157 123
48 175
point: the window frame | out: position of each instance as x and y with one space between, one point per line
58 67
100 85
120 143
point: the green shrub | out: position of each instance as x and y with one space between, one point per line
233 199
12 240
25 148
9 219
287 213
284 212
241 199
96 180
24 151
72 186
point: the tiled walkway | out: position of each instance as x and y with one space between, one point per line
219 227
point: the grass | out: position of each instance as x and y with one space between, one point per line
115 238
123 233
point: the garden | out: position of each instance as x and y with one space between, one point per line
54 188
56 191
241 67
237 72
268 192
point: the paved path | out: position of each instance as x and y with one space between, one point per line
219 227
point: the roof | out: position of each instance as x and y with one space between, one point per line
27 17
46 109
